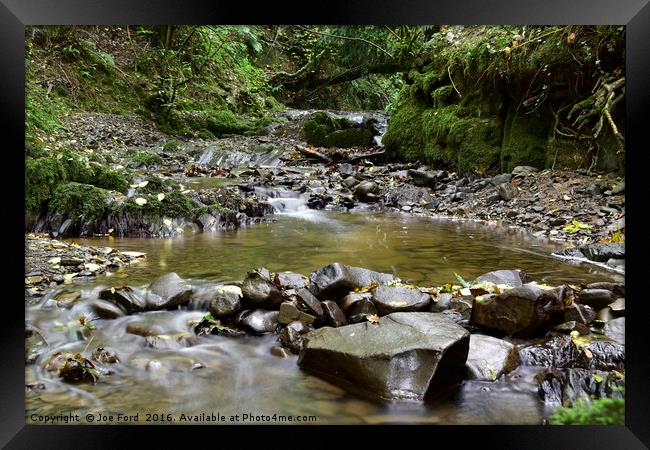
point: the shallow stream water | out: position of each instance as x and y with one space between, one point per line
239 375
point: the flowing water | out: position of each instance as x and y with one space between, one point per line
239 375
228 376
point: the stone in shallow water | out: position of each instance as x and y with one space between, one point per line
360 310
566 386
126 297
335 280
334 317
260 321
226 300
288 313
309 303
259 291
390 299
168 291
514 278
406 356
106 310
596 298
522 312
489 357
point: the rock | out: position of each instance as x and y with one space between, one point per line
501 178
106 310
514 278
489 357
441 302
578 313
168 291
566 387
618 307
606 314
260 321
390 299
366 191
568 327
310 304
334 317
507 191
522 171
125 297
615 330
596 252
292 280
616 288
299 326
406 356
360 310
259 291
306 318
556 221
280 352
143 329
560 351
226 300
288 313
596 298
422 179
407 194
291 339
346 169
335 280
350 299
520 312
350 182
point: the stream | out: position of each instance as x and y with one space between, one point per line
239 375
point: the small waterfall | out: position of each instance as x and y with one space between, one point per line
290 203
206 157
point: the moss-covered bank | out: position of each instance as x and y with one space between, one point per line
490 98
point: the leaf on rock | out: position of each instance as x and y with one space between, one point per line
140 201
374 318
161 197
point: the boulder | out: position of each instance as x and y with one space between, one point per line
259 291
501 178
360 310
260 321
226 300
168 291
521 312
367 191
596 298
334 317
578 313
489 357
292 280
422 179
291 339
522 171
125 297
335 280
566 386
288 313
390 299
309 304
514 278
353 297
106 310
405 356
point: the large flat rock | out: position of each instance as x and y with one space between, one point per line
405 356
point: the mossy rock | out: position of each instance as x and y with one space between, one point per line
323 130
525 140
146 158
79 200
42 176
171 145
174 205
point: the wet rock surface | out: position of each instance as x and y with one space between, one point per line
380 359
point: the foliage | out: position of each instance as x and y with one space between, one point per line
602 411
41 177
79 200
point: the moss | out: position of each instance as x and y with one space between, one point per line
42 176
602 411
146 158
107 178
221 123
175 204
323 130
525 140
214 210
350 137
77 200
156 185
171 145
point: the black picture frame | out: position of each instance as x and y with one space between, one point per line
635 14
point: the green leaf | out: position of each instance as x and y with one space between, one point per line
598 378
462 282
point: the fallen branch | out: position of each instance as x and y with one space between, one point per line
310 153
367 155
